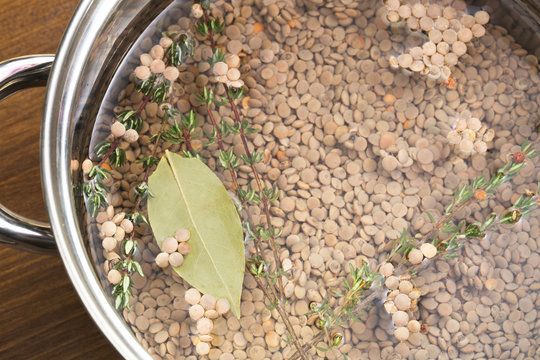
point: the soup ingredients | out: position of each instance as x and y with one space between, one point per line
203 310
188 194
469 135
155 88
446 31
174 249
429 250
182 235
402 296
265 231
344 193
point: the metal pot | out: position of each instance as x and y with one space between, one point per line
97 39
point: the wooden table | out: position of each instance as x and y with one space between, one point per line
41 316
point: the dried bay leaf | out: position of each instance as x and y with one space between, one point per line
187 194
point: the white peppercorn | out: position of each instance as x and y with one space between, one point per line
169 245
204 326
131 135
162 260
114 276
192 296
428 250
142 72
176 259
415 256
196 312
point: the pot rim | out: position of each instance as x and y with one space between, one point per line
85 28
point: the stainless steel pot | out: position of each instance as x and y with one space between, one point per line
97 39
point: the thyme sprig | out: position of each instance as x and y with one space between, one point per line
328 320
95 191
363 279
155 89
122 291
265 195
258 267
480 190
181 47
465 194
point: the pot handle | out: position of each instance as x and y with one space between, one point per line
17 231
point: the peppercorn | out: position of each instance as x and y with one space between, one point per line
480 194
519 157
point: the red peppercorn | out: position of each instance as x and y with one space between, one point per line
519 157
480 194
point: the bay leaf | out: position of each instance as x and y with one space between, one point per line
187 194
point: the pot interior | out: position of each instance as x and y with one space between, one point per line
395 166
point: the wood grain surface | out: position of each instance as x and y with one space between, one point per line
41 316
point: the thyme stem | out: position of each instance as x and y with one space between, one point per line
148 169
105 157
258 245
264 198
222 148
279 307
